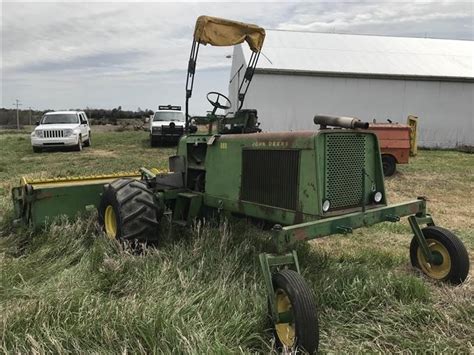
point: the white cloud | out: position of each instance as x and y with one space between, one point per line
75 54
382 17
160 34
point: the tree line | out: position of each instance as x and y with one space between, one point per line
96 115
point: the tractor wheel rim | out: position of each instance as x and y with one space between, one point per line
285 331
110 221
438 272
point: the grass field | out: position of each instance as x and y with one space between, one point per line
69 289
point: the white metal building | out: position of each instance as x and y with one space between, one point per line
300 74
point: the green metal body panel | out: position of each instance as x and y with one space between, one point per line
45 204
38 202
223 167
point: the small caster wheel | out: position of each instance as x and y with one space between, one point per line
451 262
294 299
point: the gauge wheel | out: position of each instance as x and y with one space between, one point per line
294 298
451 260
389 165
128 211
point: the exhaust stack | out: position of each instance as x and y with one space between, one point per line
339 121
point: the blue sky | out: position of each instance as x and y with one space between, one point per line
62 55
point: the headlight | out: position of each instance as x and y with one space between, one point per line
68 132
377 197
38 133
326 205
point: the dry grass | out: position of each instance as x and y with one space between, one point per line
69 289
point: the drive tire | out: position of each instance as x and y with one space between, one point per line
455 266
37 149
290 284
135 212
389 165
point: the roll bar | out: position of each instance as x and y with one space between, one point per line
221 32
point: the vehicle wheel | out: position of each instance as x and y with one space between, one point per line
389 165
152 142
452 263
79 144
128 211
294 296
88 142
37 149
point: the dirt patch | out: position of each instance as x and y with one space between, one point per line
129 126
101 153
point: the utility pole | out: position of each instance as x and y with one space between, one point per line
30 116
17 103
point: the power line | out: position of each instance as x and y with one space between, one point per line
17 103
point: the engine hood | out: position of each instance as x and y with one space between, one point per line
57 126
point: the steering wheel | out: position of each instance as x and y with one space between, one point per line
216 102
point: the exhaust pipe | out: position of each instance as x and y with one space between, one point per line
339 121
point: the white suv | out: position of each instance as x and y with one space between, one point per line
62 129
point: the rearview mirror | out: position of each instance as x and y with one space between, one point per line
37 123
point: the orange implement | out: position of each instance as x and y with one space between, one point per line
394 140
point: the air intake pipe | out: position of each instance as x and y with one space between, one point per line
339 121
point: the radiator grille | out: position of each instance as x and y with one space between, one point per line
173 130
53 133
345 159
270 177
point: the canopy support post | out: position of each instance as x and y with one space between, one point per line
190 80
244 85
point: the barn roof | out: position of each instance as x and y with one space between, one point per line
363 55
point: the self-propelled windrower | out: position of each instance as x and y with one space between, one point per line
307 184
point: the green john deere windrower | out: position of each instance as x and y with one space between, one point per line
306 184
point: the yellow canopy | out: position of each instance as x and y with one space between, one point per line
220 32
